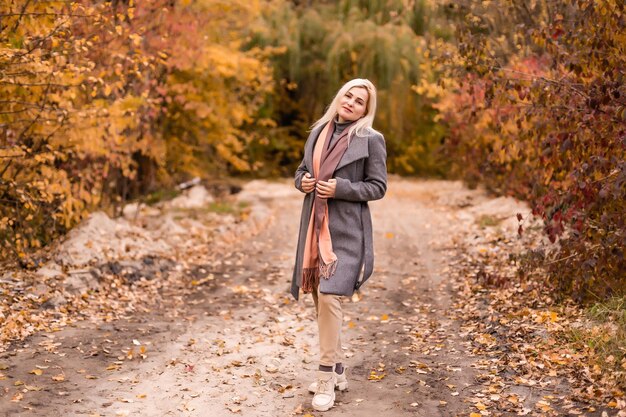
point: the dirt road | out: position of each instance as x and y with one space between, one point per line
237 344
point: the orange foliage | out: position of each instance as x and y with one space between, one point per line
103 102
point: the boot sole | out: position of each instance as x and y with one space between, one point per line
324 408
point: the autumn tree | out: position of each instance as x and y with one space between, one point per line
329 43
103 102
536 110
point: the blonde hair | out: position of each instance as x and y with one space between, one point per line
362 125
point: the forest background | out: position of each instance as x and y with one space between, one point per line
102 103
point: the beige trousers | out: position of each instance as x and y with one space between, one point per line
329 319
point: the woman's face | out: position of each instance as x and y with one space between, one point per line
353 104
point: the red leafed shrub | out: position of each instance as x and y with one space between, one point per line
539 114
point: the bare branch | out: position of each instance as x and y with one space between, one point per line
20 121
533 77
18 84
38 42
17 22
26 103
44 100
19 74
14 111
45 14
6 167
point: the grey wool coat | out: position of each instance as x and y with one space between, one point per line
361 177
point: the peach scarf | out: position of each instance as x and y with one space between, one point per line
319 258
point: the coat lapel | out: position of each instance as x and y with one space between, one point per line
309 146
357 149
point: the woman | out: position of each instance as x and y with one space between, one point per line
344 167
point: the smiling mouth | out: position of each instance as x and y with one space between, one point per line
347 109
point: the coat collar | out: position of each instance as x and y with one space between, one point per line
357 149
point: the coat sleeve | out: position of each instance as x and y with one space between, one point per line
300 171
302 168
374 184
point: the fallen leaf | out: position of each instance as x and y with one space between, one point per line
544 405
485 339
375 377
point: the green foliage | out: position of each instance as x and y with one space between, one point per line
606 336
327 45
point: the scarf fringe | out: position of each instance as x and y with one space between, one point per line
310 279
327 270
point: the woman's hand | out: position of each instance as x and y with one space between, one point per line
308 183
326 189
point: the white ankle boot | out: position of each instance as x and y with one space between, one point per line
324 397
341 384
